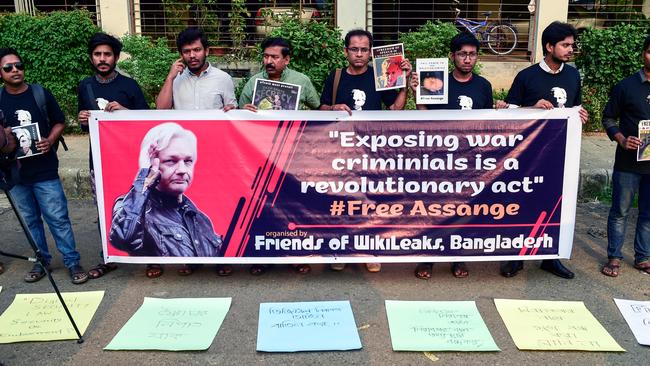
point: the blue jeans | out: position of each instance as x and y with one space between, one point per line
624 186
47 199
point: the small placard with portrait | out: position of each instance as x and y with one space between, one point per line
643 152
26 138
433 80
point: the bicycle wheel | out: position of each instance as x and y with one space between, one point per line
501 39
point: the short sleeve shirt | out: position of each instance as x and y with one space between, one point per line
211 89
357 92
473 94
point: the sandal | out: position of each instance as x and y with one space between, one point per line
224 270
373 267
459 270
423 271
259 269
187 269
101 269
78 275
643 266
337 267
301 268
612 268
35 274
153 271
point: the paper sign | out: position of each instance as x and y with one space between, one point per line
40 317
172 325
437 326
307 326
637 316
554 325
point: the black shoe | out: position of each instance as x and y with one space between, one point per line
557 268
511 268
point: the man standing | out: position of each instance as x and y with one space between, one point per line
39 192
192 83
277 55
629 103
354 88
155 218
109 91
549 84
466 91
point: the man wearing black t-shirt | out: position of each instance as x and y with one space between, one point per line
356 88
549 84
109 91
629 103
466 91
38 192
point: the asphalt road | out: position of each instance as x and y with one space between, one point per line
235 342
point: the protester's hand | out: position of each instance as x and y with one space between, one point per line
11 141
113 106
250 107
415 82
543 104
584 115
154 175
501 104
342 107
44 145
406 66
229 107
631 143
82 117
177 67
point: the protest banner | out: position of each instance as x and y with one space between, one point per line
272 187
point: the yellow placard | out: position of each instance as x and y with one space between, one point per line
554 325
41 317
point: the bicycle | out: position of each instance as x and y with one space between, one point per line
500 38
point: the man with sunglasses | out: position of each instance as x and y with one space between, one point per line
353 88
356 83
107 90
466 91
38 192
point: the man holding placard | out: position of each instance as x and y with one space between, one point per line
627 111
466 90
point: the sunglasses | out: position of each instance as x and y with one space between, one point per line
17 65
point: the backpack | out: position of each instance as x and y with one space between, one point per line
39 96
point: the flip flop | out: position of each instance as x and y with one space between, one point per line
101 269
612 268
153 271
224 270
423 271
259 269
459 270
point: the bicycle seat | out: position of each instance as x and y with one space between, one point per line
487 13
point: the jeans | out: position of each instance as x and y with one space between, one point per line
624 186
47 199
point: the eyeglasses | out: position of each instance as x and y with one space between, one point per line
357 49
17 65
464 55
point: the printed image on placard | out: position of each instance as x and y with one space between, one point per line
274 95
387 67
27 136
643 153
432 81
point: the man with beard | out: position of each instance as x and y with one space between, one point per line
547 85
192 83
466 91
109 91
38 192
276 57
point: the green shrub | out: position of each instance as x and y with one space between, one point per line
430 40
54 48
148 64
606 57
317 48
